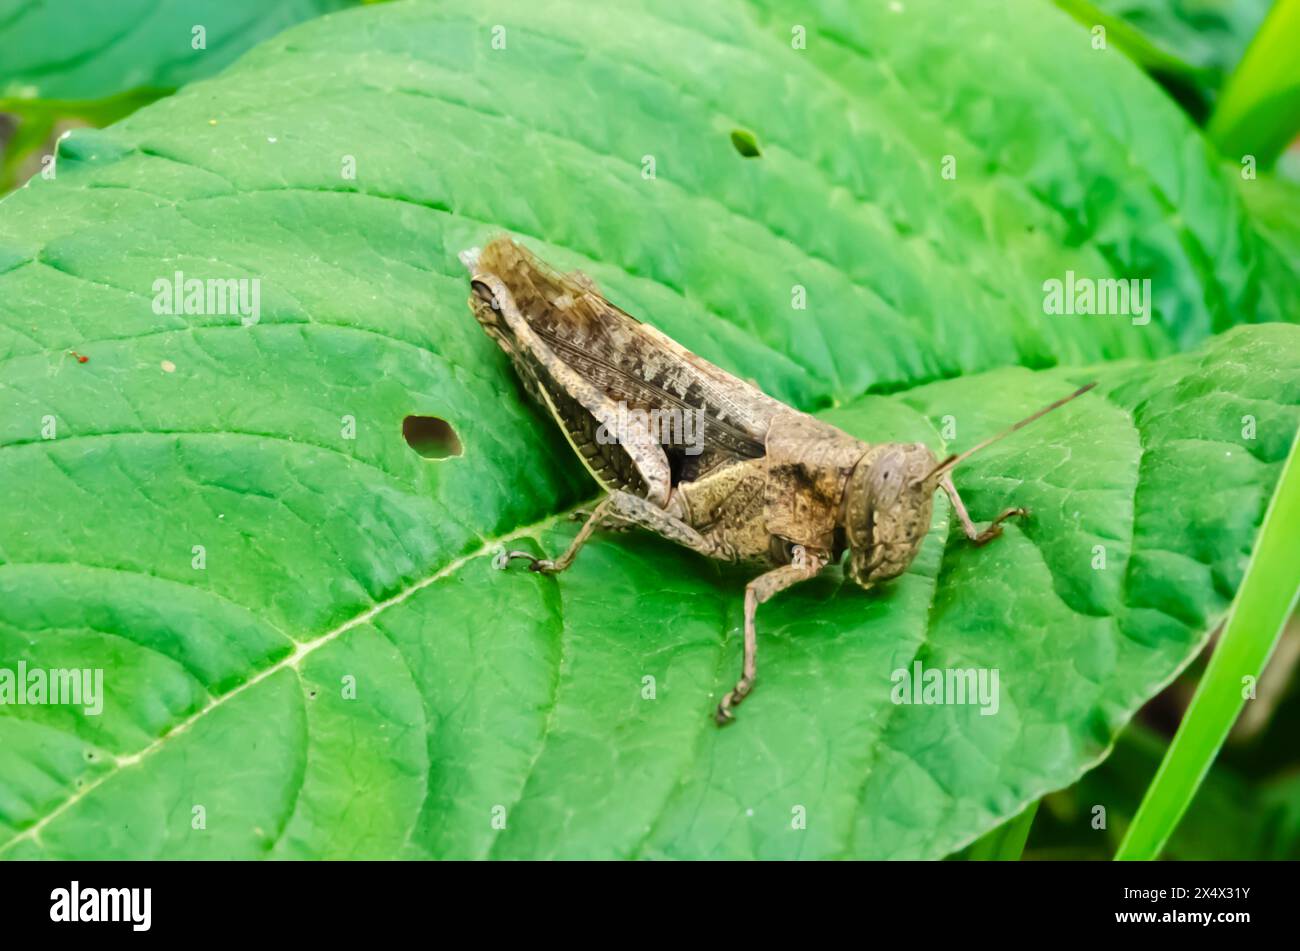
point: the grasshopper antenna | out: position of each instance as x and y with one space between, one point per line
947 465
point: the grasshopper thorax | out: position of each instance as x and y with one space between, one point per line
887 506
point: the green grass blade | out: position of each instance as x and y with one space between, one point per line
1264 602
1006 843
1259 112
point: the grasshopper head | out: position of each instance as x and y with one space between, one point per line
887 510
487 289
890 496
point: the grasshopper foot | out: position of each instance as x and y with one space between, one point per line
995 527
726 709
503 559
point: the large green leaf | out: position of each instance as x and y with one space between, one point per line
482 693
1259 112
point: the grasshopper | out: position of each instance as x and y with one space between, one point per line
766 485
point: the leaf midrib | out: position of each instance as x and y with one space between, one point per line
293 661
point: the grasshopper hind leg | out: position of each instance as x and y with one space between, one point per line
621 507
549 566
608 523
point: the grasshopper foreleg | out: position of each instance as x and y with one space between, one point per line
977 537
803 565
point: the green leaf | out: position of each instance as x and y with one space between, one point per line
1272 202
1259 114
1006 843
332 564
1267 597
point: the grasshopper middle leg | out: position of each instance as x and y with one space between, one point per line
804 565
967 526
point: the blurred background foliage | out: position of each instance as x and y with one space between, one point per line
59 70
1189 46
65 64
1248 807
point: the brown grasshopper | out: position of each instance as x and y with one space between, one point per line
765 484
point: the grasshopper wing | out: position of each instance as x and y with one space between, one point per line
629 365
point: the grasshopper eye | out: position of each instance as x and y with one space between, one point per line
484 293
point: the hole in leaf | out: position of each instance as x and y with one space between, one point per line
431 437
745 143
